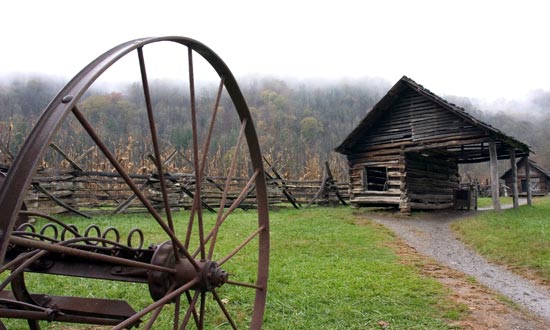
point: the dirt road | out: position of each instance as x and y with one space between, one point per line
431 235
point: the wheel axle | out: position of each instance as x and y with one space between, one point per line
210 276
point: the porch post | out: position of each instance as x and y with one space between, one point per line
528 181
514 168
494 175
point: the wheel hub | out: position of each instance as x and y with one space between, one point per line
209 274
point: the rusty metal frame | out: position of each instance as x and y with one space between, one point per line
13 190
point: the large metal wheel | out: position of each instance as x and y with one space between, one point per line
186 269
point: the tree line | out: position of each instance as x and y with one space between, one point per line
298 123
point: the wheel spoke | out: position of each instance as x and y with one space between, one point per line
154 140
224 310
204 158
197 205
235 204
177 307
32 257
190 223
125 204
240 246
16 262
226 190
242 195
22 303
153 318
246 285
206 146
86 125
169 271
162 301
191 310
203 310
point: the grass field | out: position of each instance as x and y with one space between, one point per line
519 237
326 272
488 201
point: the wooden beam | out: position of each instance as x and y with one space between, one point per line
66 157
514 168
59 201
6 152
528 179
282 184
494 175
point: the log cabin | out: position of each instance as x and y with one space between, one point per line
406 150
539 178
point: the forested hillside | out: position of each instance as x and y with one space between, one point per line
299 123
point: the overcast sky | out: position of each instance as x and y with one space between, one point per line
486 49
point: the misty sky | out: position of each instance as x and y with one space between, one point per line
484 49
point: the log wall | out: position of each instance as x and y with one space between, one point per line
392 196
430 182
411 126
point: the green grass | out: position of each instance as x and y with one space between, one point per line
488 201
519 237
326 272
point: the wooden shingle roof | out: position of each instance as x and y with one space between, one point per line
465 151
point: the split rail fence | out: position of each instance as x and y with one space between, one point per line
88 193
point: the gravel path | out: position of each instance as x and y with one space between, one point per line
433 237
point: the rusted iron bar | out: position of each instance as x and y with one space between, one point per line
226 190
246 285
102 258
211 128
240 246
191 310
154 317
198 178
54 248
69 228
232 208
154 140
224 310
163 301
51 314
242 195
131 183
124 205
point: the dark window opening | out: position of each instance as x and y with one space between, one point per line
375 178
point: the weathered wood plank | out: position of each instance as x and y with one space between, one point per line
430 206
376 200
494 176
528 181
514 168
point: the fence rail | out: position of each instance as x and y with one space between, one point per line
55 191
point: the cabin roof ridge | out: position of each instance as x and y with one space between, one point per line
396 91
